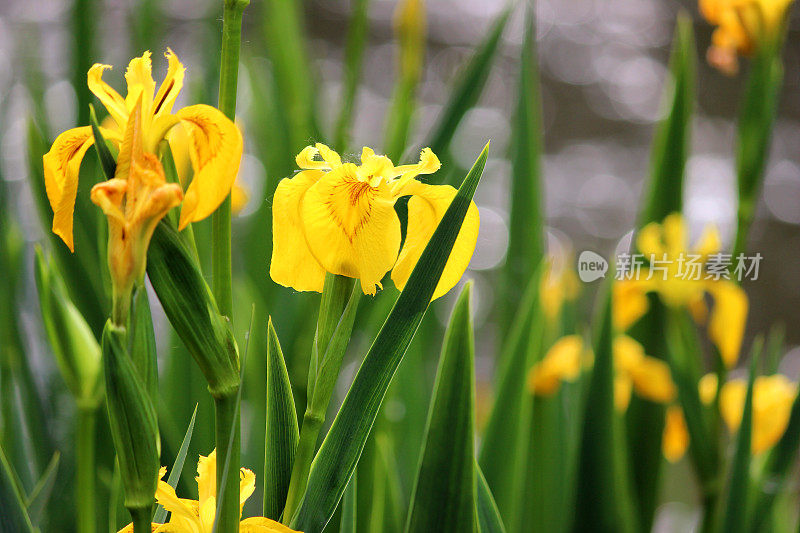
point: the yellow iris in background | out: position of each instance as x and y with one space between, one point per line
339 217
649 377
742 26
197 516
215 147
683 282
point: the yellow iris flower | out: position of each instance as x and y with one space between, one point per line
773 397
134 201
649 377
215 147
678 287
742 26
197 516
339 217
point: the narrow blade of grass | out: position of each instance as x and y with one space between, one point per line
160 514
489 519
15 515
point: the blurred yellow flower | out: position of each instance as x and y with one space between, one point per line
134 201
633 370
339 217
558 285
675 440
681 281
772 405
742 26
410 25
215 149
197 516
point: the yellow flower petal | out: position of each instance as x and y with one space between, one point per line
292 263
675 439
110 98
239 198
428 164
62 165
728 319
562 362
628 354
140 83
708 388
622 392
215 151
259 524
170 87
649 240
426 207
630 302
675 234
351 227
247 485
181 509
652 380
207 476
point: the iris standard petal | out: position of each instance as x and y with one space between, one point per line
139 76
351 227
215 150
728 319
61 168
426 207
292 263
170 87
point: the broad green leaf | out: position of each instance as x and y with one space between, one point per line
339 453
671 144
349 500
468 87
160 514
15 515
526 217
738 486
444 493
504 447
353 60
489 520
601 492
281 429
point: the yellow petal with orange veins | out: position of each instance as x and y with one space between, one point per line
110 98
215 149
62 165
728 319
675 439
426 207
292 263
139 76
170 87
259 524
351 227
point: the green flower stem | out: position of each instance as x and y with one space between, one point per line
85 468
335 295
306 448
221 220
141 520
227 417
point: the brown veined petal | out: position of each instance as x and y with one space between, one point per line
170 87
351 227
728 319
426 207
62 165
110 98
139 76
215 150
292 263
259 524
